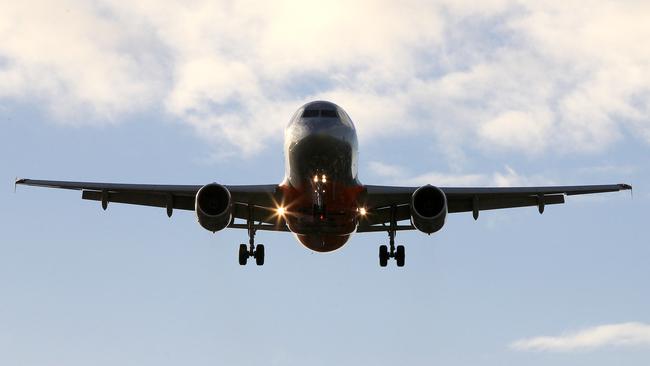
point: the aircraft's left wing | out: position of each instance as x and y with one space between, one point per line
380 200
181 197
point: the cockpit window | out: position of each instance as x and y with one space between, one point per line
345 118
329 113
308 113
325 113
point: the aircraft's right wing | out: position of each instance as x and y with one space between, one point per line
381 199
182 197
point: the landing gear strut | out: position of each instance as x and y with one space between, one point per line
251 251
395 252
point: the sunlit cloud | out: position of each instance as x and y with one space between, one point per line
527 77
508 177
619 335
386 170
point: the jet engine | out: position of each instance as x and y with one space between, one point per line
213 207
428 209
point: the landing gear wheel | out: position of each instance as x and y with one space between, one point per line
259 255
399 256
243 254
383 255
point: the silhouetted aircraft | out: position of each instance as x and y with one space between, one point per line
321 199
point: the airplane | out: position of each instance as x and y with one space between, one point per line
321 200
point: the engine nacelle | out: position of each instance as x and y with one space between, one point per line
213 207
428 209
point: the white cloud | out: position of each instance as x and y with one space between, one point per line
526 77
623 334
386 170
518 130
394 174
401 176
510 178
620 170
74 58
446 179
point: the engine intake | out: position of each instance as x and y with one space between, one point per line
428 209
213 207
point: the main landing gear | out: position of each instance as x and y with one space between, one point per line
246 251
395 252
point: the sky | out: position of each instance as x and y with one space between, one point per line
449 93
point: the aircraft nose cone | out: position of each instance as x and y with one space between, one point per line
327 147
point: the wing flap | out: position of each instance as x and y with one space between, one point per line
114 187
495 203
263 195
532 191
256 213
382 215
262 227
143 199
377 228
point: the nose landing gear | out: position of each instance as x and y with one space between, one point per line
318 196
395 252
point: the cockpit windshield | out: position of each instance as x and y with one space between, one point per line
329 113
310 113
323 113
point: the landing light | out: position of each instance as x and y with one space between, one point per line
281 211
362 211
324 178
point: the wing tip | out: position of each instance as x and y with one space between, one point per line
18 181
625 186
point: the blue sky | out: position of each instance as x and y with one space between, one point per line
447 93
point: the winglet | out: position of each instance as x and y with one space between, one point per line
624 186
17 182
627 186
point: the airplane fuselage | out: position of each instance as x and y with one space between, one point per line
321 187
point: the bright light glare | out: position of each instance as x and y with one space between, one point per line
362 211
281 211
316 178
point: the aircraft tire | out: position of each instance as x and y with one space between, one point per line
243 254
383 255
259 255
400 255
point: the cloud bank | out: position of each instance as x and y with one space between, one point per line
624 334
527 77
397 175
